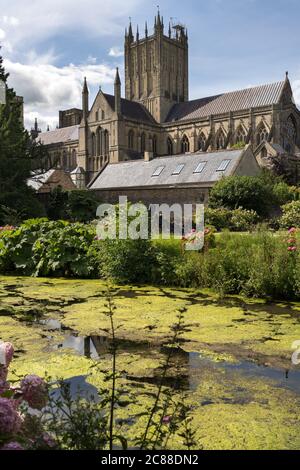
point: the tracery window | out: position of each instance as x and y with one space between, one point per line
202 142
261 134
291 129
185 144
221 140
93 144
240 136
170 146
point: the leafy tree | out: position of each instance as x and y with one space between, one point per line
246 192
19 155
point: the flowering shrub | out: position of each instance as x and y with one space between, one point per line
292 240
15 416
237 220
291 215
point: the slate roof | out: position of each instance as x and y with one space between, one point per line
37 181
131 109
139 173
64 134
264 95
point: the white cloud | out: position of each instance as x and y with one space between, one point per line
43 19
296 91
115 52
2 34
11 20
47 88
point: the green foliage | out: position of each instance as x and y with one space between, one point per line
239 220
291 215
246 192
41 247
75 206
126 261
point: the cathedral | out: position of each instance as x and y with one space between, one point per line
156 119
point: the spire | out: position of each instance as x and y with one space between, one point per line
287 75
169 29
146 30
36 127
85 99
48 128
35 130
117 77
117 89
137 33
130 30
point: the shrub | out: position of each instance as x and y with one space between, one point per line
126 261
246 192
239 220
291 215
75 206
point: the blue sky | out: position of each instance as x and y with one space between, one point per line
49 46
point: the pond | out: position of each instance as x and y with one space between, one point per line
233 362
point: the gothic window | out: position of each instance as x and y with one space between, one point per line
221 140
185 144
261 134
96 116
202 142
93 144
170 146
154 145
291 129
143 142
74 159
99 138
106 142
131 140
65 160
240 136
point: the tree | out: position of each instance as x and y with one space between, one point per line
19 155
246 192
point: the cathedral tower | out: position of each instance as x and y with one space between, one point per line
156 68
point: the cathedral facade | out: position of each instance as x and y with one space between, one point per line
156 118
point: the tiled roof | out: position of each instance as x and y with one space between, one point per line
131 109
64 134
139 173
264 95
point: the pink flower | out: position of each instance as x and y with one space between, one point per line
48 440
292 248
166 419
6 353
12 446
10 420
34 391
292 241
292 230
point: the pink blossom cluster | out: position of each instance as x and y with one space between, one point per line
32 390
292 241
7 227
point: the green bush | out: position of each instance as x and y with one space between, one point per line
126 261
47 248
75 206
246 192
291 215
238 220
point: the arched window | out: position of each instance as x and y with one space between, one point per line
220 140
185 144
131 140
202 142
154 145
261 134
106 142
99 138
74 159
93 144
65 160
291 129
143 142
240 136
170 146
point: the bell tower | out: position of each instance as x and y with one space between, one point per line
156 67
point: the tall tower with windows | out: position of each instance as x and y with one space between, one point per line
156 67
